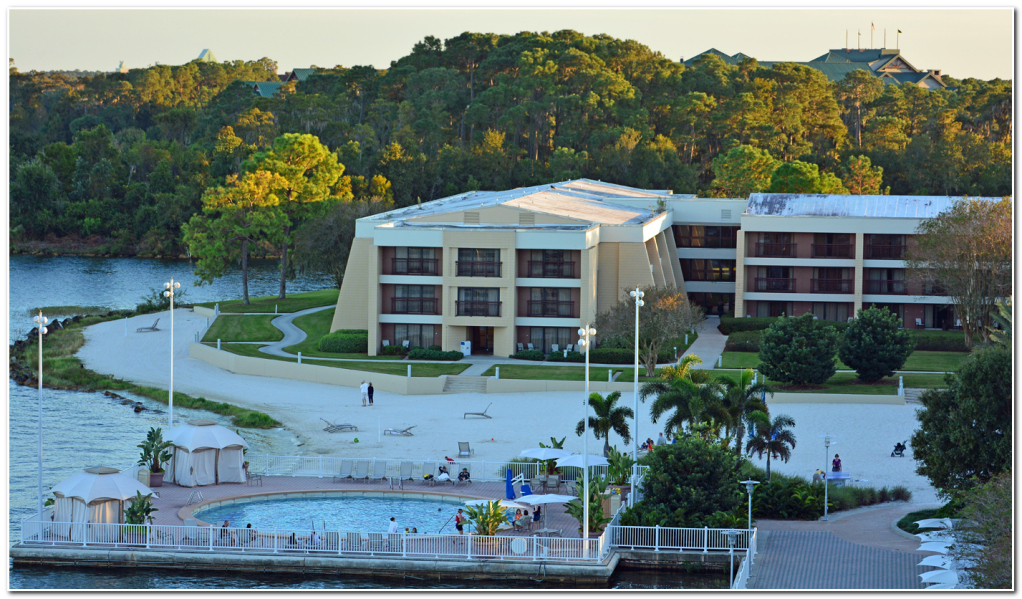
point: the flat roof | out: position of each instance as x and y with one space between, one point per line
785 204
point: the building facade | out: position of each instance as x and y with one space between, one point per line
527 267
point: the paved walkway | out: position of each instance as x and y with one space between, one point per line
710 344
292 334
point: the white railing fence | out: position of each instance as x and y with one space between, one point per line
290 541
662 538
742 578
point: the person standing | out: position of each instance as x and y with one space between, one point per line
660 440
364 388
459 521
393 526
836 464
369 391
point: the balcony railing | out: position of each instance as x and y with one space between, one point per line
552 309
885 252
833 250
776 249
933 289
413 305
551 270
832 285
885 287
414 266
478 269
472 308
774 285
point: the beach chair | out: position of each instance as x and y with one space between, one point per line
344 472
455 477
361 470
521 347
394 542
379 471
406 471
552 480
570 347
376 542
554 347
386 343
464 451
407 432
353 541
335 428
483 413
429 468
919 323
405 343
531 347
148 329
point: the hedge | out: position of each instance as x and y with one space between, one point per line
939 341
573 356
345 341
393 350
604 355
431 354
730 325
744 341
529 354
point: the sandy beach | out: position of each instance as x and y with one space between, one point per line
865 434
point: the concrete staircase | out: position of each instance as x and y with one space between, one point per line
465 384
912 395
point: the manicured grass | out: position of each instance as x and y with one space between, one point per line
935 361
294 302
734 359
427 369
680 343
559 373
908 523
257 327
846 382
315 326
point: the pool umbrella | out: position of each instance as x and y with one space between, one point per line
936 546
544 453
96 495
576 461
504 504
938 561
509 490
935 523
545 499
940 577
927 537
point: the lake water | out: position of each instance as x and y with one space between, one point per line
89 429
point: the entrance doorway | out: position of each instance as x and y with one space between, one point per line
482 340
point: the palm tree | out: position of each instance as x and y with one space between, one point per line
692 404
608 417
741 399
772 437
685 369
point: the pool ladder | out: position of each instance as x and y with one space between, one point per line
196 495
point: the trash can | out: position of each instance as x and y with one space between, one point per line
466 348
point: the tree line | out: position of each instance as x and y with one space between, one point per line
128 156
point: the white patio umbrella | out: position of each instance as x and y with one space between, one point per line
100 484
938 561
205 453
198 434
545 499
935 523
544 453
935 546
576 461
504 503
937 587
927 537
940 577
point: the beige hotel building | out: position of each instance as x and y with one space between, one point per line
531 265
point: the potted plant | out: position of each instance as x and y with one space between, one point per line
550 466
155 455
619 470
597 487
487 518
135 517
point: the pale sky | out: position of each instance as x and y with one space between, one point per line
962 43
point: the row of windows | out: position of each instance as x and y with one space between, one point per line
708 270
700 236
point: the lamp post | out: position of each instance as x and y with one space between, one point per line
635 417
731 536
585 340
40 325
826 453
170 287
750 486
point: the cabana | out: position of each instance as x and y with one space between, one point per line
205 453
94 496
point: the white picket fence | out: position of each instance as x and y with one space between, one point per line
742 578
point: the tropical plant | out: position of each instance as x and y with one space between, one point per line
685 369
772 437
154 451
140 510
741 398
685 403
575 509
486 517
551 465
875 345
619 468
607 417
1002 318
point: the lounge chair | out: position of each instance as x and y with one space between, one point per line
455 477
429 468
386 343
361 470
379 471
554 347
464 451
148 329
353 541
336 428
521 347
570 347
376 542
405 344
919 323
483 413
394 542
406 471
344 472
403 432
531 347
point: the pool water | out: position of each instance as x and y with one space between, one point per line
345 513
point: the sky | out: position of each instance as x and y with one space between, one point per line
959 42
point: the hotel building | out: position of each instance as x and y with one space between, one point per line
531 265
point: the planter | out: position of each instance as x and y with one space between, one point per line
156 479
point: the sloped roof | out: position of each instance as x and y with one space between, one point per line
864 55
732 60
302 74
207 56
786 204
835 71
267 88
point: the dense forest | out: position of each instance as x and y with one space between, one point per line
126 158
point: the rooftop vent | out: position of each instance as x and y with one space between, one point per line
471 218
526 219
725 215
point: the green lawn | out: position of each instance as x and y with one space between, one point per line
315 326
257 327
846 382
680 343
401 369
735 359
294 302
560 373
930 361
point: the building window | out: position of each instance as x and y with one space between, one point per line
832 280
478 262
775 244
833 245
885 247
551 303
417 335
713 303
544 338
772 309
885 281
708 270
774 278
832 311
415 261
414 299
700 236
551 264
478 301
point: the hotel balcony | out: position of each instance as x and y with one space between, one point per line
413 305
833 250
770 250
886 287
885 252
774 285
833 285
550 270
478 269
414 266
474 308
552 309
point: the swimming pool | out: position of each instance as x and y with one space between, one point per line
339 512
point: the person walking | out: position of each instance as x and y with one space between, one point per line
364 388
369 391
393 526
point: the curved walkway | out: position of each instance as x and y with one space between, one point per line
709 345
292 334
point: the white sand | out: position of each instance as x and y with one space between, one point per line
865 434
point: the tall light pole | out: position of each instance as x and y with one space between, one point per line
585 340
635 417
750 485
40 325
170 287
731 536
826 453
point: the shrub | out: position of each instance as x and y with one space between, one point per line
874 345
744 341
435 347
529 354
939 341
799 351
393 350
573 356
604 355
900 493
789 500
431 354
345 341
729 324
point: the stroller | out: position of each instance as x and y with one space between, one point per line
899 450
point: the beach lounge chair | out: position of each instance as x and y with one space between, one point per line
379 471
386 343
570 347
464 451
429 468
483 413
361 470
336 428
455 477
353 541
531 347
406 471
521 347
405 343
554 347
148 329
376 542
394 542
344 472
403 432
